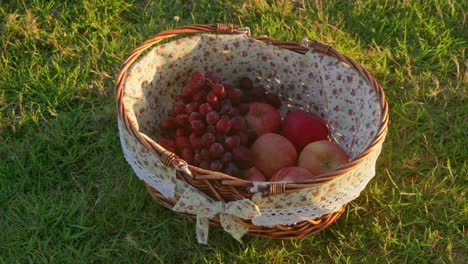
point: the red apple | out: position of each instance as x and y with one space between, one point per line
302 128
254 174
322 156
272 152
263 118
292 174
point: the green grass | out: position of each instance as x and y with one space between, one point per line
67 195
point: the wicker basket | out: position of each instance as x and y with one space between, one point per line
225 188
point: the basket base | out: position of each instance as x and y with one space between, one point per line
284 232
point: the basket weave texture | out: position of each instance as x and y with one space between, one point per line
357 115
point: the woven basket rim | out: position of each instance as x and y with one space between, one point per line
170 159
299 230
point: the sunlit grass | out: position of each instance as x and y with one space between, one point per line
67 194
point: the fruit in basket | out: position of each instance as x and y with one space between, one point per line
231 168
223 125
302 128
212 99
168 144
263 118
235 95
243 157
191 88
178 108
322 156
204 109
272 152
254 174
167 124
292 174
232 142
216 165
197 75
213 122
182 142
219 91
187 154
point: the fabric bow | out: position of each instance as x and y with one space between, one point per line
192 201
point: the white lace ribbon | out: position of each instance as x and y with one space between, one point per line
194 202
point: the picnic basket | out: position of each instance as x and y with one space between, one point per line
311 75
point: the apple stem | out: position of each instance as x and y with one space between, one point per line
328 164
258 112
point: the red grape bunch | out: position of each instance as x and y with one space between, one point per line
206 125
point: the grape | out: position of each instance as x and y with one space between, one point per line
212 99
234 112
235 95
197 158
225 101
181 132
243 157
220 137
206 119
204 164
216 150
179 98
182 120
195 116
198 126
205 109
211 76
196 75
191 107
216 165
199 97
245 83
227 157
182 99
241 153
273 100
178 108
167 124
182 142
191 88
211 129
195 141
232 142
205 154
208 139
232 169
223 125
218 90
226 110
187 154
228 84
212 118
168 144
238 123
